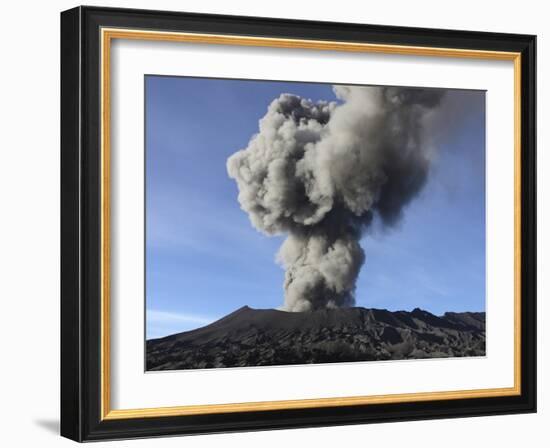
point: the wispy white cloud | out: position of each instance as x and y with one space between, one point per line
156 317
182 218
164 323
431 283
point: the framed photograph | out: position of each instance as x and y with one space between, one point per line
275 224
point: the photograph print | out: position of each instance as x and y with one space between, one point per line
304 223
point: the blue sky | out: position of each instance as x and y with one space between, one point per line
205 260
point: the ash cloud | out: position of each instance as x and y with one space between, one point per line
319 172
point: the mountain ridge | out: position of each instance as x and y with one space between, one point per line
250 337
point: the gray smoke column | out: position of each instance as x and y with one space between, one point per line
320 172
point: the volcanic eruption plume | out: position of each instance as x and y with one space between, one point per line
320 172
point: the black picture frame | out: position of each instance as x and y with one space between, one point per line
81 416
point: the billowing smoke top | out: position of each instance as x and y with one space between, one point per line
319 172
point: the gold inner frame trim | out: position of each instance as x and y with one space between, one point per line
107 35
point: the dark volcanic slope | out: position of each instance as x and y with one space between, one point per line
249 337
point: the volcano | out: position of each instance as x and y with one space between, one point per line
267 337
